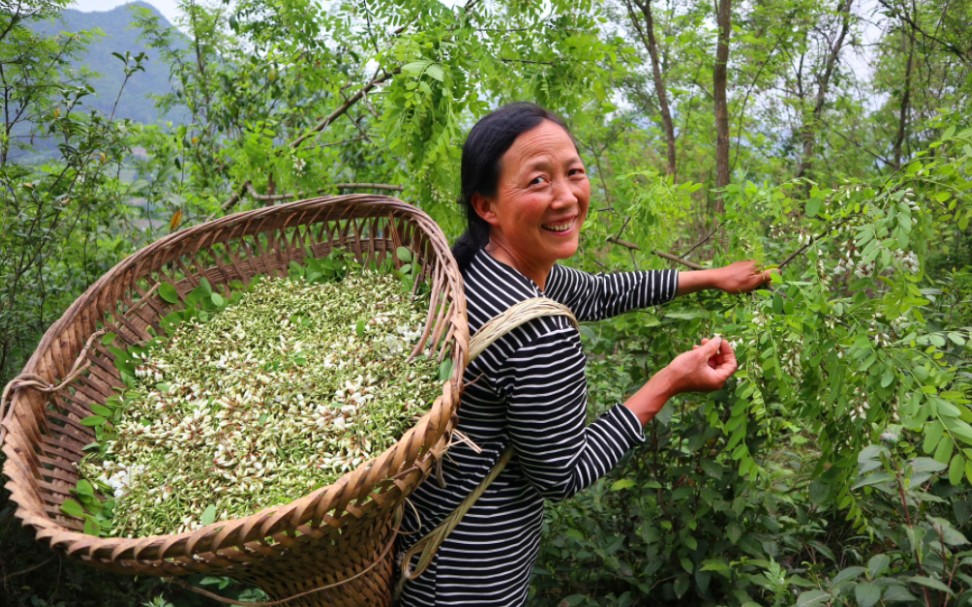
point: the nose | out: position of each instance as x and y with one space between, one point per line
564 193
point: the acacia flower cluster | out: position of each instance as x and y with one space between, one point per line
274 396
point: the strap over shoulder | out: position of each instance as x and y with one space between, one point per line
514 316
493 329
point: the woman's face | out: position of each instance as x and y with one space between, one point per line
541 201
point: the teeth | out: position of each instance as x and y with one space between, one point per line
563 227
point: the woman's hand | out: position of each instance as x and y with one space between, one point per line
742 277
704 368
738 277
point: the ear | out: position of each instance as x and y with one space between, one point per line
484 208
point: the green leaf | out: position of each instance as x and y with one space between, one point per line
887 377
84 488
435 71
878 564
720 565
91 526
871 453
932 435
624 483
898 593
101 410
867 594
733 532
108 338
926 464
93 420
956 469
813 598
687 564
681 585
874 478
924 580
71 507
404 254
944 450
684 315
813 207
847 574
168 293
217 300
209 515
445 369
415 67
949 534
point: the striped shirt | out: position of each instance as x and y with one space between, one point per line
528 387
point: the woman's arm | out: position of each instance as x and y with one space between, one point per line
599 296
739 277
546 417
704 368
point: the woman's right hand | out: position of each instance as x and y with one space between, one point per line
704 368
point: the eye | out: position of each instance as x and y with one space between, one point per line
576 172
538 180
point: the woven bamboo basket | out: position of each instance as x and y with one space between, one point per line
336 538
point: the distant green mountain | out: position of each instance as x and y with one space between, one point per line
118 34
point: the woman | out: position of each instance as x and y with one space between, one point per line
526 196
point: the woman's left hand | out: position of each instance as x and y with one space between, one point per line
742 277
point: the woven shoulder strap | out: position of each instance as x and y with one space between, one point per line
496 327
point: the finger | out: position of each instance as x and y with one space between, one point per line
711 346
726 352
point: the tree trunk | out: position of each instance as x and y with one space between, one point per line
647 34
909 39
719 76
810 126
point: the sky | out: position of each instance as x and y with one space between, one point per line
169 8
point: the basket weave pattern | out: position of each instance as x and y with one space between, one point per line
323 538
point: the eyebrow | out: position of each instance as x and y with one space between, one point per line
544 161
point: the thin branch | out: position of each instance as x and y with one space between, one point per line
369 186
340 186
10 576
677 259
623 243
633 247
323 124
235 197
859 146
704 240
950 46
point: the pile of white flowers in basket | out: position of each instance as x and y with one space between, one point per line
254 400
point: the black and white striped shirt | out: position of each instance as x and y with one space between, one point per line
528 387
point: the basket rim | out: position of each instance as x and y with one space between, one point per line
273 520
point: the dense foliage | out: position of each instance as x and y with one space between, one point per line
832 140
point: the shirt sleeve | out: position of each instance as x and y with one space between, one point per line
546 391
599 296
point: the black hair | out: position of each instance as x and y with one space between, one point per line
488 140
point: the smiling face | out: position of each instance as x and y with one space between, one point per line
541 201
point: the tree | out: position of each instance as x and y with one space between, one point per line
646 33
57 206
719 77
822 78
